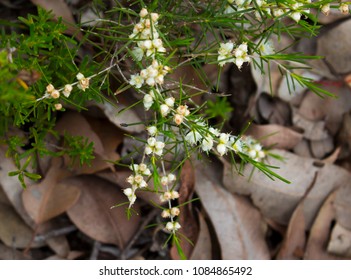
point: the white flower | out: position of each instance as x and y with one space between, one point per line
266 48
154 17
173 226
278 12
138 53
50 88
178 119
164 181
128 191
136 80
325 9
55 94
174 195
344 8
143 13
296 16
175 211
152 130
193 137
67 90
151 141
171 177
214 131
237 146
164 109
170 102
221 149
183 110
207 144
80 76
148 101
225 48
58 106
165 213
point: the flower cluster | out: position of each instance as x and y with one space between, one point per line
51 92
149 44
293 9
224 142
136 180
227 53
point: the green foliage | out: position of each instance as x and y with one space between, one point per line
220 108
79 148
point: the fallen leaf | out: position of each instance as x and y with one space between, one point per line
342 205
333 45
47 199
93 215
321 148
320 232
76 124
236 222
187 219
125 119
340 241
344 136
313 130
273 110
276 199
12 187
294 242
59 245
13 231
273 135
203 247
330 110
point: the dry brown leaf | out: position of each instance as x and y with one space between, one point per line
47 199
75 124
110 136
13 231
60 9
236 222
333 45
273 110
203 247
187 219
12 187
276 199
294 242
303 149
340 241
321 148
342 206
126 120
93 215
329 109
344 136
59 245
319 235
313 130
273 135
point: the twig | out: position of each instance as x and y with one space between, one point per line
149 217
96 249
55 233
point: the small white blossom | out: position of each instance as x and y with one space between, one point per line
67 90
148 101
173 226
152 130
138 53
136 80
165 110
193 137
170 102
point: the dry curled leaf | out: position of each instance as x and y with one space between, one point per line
187 219
203 247
276 199
273 135
236 222
316 248
340 241
47 199
13 231
93 215
342 206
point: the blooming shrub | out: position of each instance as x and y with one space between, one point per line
156 40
